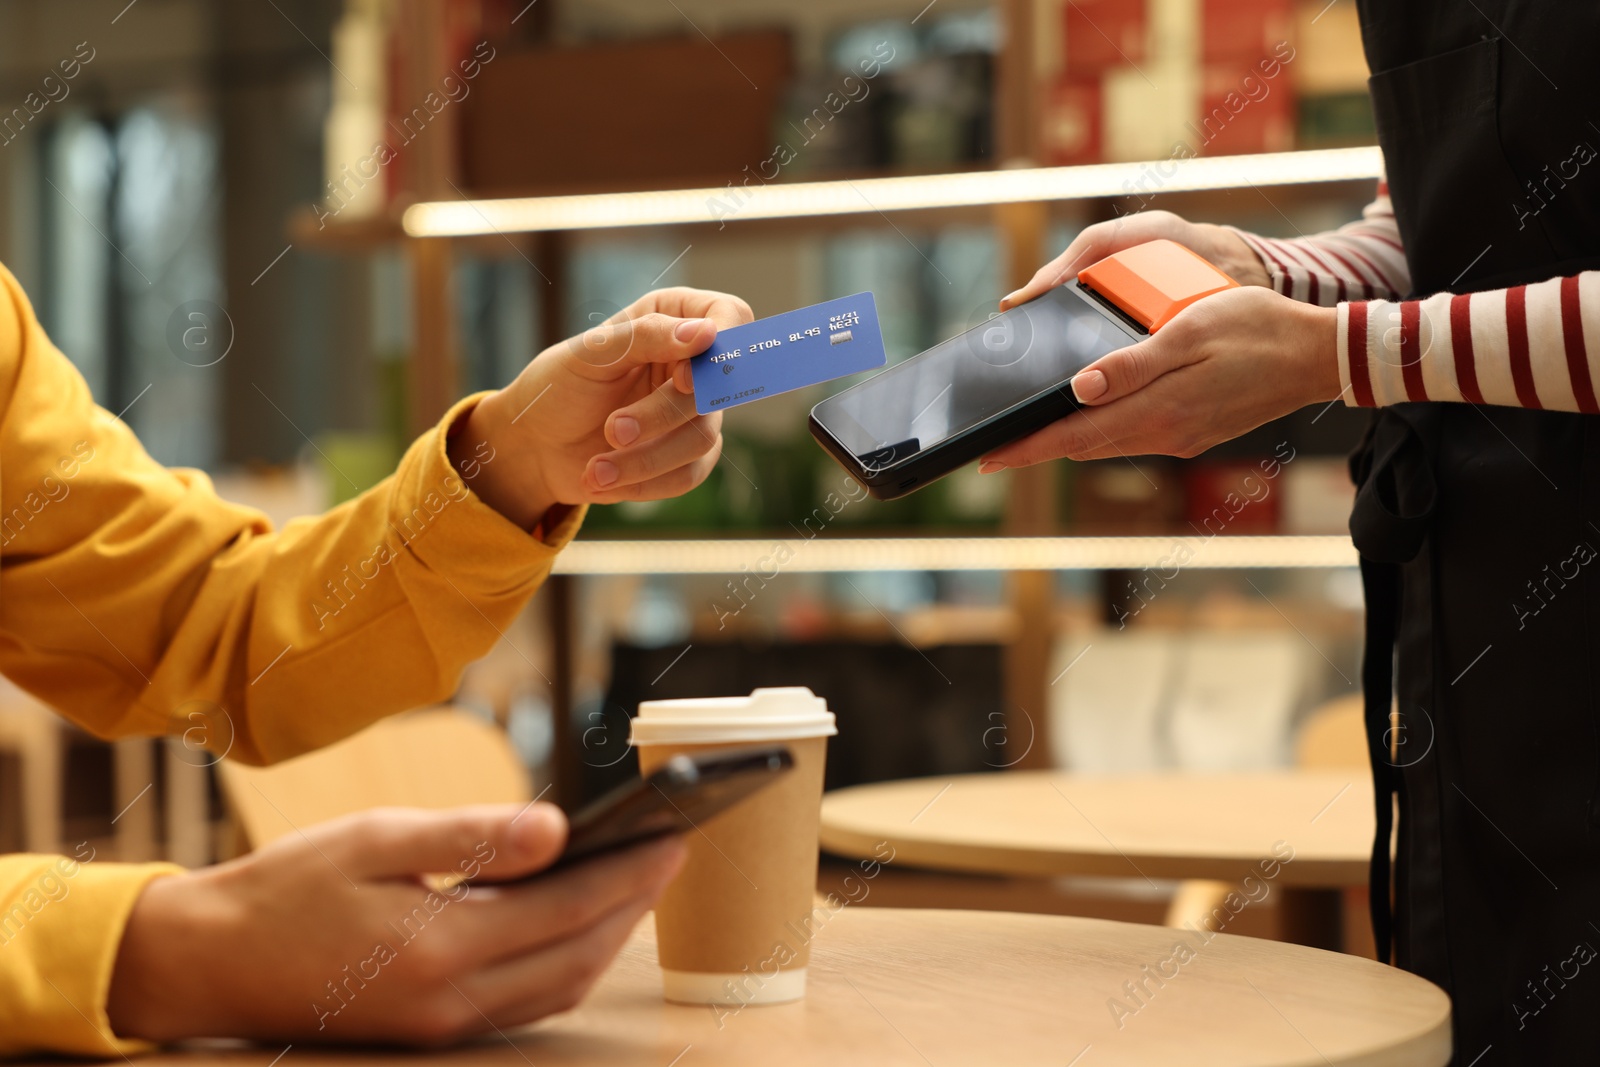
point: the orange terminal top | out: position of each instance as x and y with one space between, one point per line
1154 281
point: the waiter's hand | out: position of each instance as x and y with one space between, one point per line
603 417
1225 249
1222 367
334 934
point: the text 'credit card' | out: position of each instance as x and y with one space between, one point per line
786 352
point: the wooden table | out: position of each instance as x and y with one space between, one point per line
1221 827
919 988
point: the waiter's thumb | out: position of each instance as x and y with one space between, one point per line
1123 372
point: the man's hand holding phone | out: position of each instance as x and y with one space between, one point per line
336 935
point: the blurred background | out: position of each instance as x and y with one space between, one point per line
205 202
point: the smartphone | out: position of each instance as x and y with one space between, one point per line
938 411
678 796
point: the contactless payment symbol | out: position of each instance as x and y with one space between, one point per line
1000 340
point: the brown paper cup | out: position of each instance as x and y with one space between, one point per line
735 926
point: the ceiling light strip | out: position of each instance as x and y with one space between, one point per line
797 555
461 218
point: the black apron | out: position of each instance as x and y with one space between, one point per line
1479 532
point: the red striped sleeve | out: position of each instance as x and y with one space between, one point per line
1353 262
1461 348
1517 347
1355 272
1309 251
1411 350
1283 268
1377 271
1356 338
1506 347
1372 234
1577 353
1363 259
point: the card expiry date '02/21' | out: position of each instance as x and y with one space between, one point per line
790 351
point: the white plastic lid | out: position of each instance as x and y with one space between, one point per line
765 715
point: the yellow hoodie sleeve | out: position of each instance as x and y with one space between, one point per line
129 591
61 921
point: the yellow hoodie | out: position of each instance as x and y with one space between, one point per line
128 589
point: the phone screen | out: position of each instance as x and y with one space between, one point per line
675 799
967 380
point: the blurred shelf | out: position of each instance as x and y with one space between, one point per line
924 626
716 205
854 555
308 227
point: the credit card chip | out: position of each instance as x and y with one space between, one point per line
840 338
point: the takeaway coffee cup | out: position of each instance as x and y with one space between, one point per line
734 926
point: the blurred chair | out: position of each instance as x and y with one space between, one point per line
1109 698
40 738
133 825
1333 736
1235 699
433 758
34 733
1145 699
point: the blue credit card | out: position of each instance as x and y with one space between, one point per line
789 351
